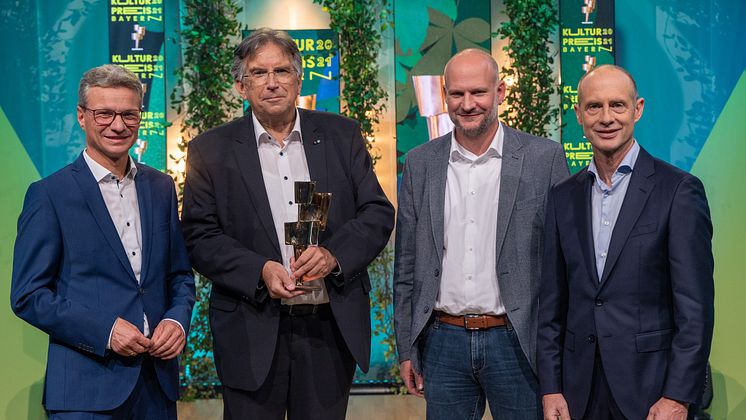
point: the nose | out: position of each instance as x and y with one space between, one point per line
467 104
118 124
272 80
606 117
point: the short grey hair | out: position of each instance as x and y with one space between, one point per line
624 71
108 76
259 38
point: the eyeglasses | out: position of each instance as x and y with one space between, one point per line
106 116
261 76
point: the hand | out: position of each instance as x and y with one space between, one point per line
279 284
668 409
555 407
168 340
127 340
316 262
414 381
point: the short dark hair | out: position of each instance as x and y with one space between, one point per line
260 37
615 67
108 76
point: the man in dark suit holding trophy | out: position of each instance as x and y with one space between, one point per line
279 348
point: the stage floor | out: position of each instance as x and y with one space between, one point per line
362 407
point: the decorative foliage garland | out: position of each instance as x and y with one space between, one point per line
209 25
529 26
359 25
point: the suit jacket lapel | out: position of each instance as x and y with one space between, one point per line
92 194
315 146
581 201
247 156
638 191
145 203
510 175
437 172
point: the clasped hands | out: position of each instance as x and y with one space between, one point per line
166 342
555 407
316 262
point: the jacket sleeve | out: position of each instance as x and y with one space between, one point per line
404 263
180 280
34 297
552 310
213 253
691 272
360 239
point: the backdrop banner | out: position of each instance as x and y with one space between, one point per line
136 35
587 40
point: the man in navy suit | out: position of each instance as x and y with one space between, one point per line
626 301
100 266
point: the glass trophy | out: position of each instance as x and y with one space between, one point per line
313 211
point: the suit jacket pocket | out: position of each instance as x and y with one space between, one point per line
221 304
654 340
569 340
643 229
531 202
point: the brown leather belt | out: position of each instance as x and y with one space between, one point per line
473 321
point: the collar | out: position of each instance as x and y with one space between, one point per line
626 166
459 152
99 172
260 134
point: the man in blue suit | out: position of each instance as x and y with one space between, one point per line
100 266
626 300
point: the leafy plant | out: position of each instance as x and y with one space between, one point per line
528 29
359 25
207 99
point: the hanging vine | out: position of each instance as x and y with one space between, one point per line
528 29
360 25
207 101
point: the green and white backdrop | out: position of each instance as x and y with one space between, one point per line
687 56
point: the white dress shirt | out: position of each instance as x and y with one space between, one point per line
469 281
281 167
120 197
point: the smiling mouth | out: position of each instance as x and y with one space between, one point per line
607 134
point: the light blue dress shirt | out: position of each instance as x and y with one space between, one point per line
606 202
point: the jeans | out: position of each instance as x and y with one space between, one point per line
463 368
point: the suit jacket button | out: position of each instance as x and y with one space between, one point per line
437 272
426 310
141 291
599 302
591 338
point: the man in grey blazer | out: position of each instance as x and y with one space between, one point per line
468 250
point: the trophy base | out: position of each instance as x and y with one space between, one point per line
307 287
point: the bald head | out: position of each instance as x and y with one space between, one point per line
471 57
473 92
609 70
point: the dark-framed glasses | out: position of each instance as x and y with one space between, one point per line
261 76
106 116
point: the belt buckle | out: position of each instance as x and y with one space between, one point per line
468 317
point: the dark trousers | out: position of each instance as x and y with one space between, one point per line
601 404
146 402
310 376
